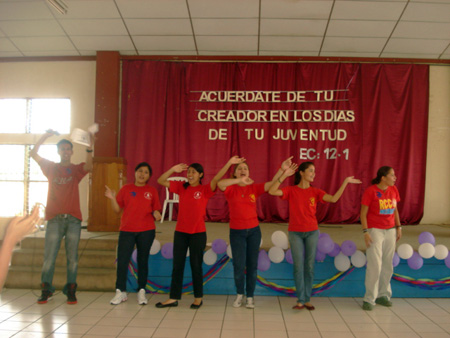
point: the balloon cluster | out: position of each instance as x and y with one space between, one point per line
427 249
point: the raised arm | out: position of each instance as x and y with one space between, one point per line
223 171
274 188
34 152
334 198
223 184
111 194
284 166
175 169
88 165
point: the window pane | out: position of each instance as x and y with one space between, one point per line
11 199
13 114
12 165
37 193
47 151
50 114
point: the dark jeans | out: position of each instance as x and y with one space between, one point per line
245 248
127 240
196 244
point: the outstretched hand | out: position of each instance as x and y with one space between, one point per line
180 167
291 170
19 227
236 160
111 194
246 180
352 180
286 163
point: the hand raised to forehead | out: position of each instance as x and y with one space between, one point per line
236 160
180 167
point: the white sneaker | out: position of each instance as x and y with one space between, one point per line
142 300
250 304
238 301
119 297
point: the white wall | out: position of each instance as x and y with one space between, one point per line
75 80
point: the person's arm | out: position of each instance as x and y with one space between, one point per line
398 225
223 184
88 165
284 166
274 188
175 169
334 198
223 171
34 152
17 229
363 219
111 194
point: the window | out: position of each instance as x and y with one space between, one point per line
22 183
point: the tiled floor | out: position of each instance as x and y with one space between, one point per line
93 316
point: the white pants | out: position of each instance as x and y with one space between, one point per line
379 268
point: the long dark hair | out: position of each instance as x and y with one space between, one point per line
198 168
302 167
144 164
383 171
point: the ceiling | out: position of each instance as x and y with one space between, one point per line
317 28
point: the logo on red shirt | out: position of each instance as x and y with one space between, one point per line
252 198
312 201
197 195
148 195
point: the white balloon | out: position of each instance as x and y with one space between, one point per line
276 254
342 262
156 246
229 251
441 251
405 251
279 239
358 259
209 257
426 250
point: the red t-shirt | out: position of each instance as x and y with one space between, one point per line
242 205
382 205
138 204
302 207
193 201
63 194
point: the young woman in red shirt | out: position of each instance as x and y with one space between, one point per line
303 226
245 234
190 231
140 205
382 228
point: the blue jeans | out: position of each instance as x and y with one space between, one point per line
127 240
244 249
57 228
303 248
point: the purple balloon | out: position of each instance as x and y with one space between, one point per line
263 261
320 256
335 250
134 256
395 260
323 234
219 246
416 261
325 245
427 237
447 261
167 250
288 257
348 247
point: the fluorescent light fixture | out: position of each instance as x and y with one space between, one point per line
59 5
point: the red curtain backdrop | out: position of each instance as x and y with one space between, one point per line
349 119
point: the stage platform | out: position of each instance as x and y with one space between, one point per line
432 280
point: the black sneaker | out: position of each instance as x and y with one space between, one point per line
46 294
70 292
